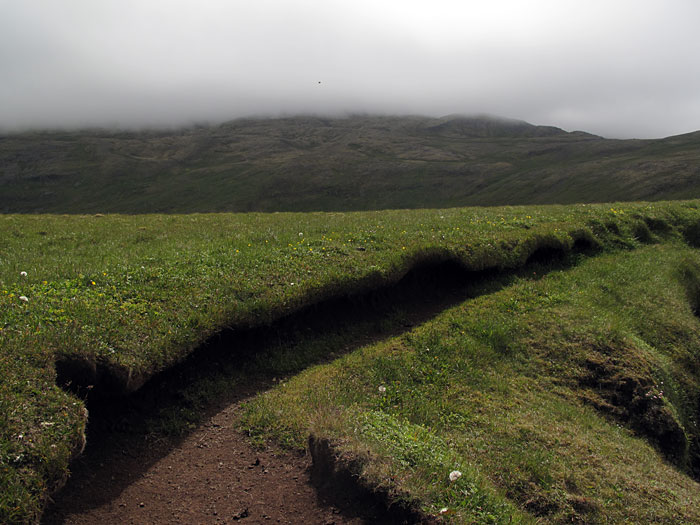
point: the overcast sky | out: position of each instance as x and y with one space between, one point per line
619 68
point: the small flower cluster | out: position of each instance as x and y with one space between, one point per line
659 393
23 298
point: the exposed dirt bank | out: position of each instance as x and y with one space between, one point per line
429 273
212 476
131 473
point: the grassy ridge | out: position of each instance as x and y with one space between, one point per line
131 295
358 163
564 399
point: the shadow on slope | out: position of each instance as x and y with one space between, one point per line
129 434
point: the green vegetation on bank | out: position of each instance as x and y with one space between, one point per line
337 164
572 398
128 296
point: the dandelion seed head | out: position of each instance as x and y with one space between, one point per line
382 389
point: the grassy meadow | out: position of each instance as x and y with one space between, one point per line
571 392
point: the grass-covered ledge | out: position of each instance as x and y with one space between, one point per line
133 295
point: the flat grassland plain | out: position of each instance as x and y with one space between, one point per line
567 388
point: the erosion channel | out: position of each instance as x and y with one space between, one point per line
172 453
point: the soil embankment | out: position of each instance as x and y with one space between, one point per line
212 474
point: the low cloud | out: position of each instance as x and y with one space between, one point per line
626 69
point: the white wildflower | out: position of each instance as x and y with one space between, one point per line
455 475
382 389
23 274
24 298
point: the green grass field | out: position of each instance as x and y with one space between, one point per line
525 389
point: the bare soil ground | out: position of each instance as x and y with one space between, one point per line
212 476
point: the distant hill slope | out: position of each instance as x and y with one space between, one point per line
355 163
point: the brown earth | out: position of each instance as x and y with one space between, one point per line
212 476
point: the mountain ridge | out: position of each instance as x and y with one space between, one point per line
316 163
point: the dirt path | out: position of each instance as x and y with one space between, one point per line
212 476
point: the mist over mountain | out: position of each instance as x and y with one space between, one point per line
623 69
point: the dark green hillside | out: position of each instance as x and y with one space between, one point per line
324 164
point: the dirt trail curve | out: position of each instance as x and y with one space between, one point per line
131 475
212 476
